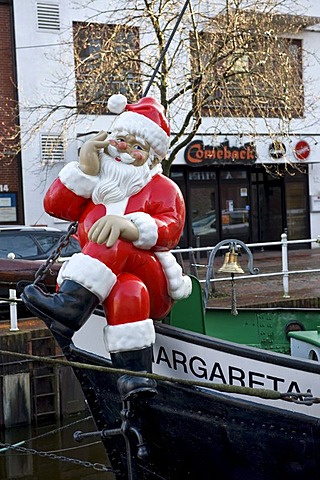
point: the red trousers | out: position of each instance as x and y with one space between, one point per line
140 291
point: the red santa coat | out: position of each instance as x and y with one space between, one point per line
158 210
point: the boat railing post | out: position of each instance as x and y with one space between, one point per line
193 263
198 244
285 271
180 259
13 310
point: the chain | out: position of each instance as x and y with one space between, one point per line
63 242
100 467
301 398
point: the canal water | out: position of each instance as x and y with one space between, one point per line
42 446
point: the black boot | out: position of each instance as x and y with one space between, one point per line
71 306
131 386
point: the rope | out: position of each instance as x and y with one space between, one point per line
234 310
256 392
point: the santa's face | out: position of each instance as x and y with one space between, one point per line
119 178
127 148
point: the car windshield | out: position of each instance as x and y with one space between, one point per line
21 245
35 245
47 242
72 247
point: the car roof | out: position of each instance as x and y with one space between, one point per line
26 228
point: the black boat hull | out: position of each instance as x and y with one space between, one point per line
193 433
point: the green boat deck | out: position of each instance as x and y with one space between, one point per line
310 336
262 328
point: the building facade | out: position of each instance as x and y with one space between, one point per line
239 181
11 198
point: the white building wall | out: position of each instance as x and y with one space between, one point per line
44 58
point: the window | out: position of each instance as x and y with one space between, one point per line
250 74
106 62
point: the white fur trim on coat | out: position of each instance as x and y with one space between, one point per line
129 336
156 169
90 273
78 182
179 285
148 229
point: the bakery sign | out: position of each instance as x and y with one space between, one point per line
197 154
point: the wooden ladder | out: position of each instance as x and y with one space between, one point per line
45 380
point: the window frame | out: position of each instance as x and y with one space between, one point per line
235 106
92 90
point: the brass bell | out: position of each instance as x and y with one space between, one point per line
230 264
224 267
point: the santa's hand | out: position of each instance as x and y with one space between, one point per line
89 153
110 228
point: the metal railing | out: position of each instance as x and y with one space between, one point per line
209 280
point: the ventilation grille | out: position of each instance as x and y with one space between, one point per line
52 149
48 16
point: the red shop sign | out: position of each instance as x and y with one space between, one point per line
197 154
302 150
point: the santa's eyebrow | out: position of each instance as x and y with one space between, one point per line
123 133
142 141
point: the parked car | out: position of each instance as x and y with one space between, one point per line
22 251
33 243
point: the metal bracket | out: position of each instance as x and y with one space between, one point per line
232 242
126 430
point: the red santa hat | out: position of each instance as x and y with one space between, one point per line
146 119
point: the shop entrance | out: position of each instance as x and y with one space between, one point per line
279 205
268 208
250 204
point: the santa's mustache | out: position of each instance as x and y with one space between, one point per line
119 180
124 156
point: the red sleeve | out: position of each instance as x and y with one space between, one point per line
62 203
168 211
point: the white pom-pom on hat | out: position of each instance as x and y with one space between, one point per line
117 103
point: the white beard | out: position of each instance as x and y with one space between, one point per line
119 180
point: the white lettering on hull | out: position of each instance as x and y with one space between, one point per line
179 359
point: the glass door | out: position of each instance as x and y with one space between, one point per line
297 208
235 205
268 207
203 208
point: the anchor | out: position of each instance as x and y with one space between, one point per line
125 430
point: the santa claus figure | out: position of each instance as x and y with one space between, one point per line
129 217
